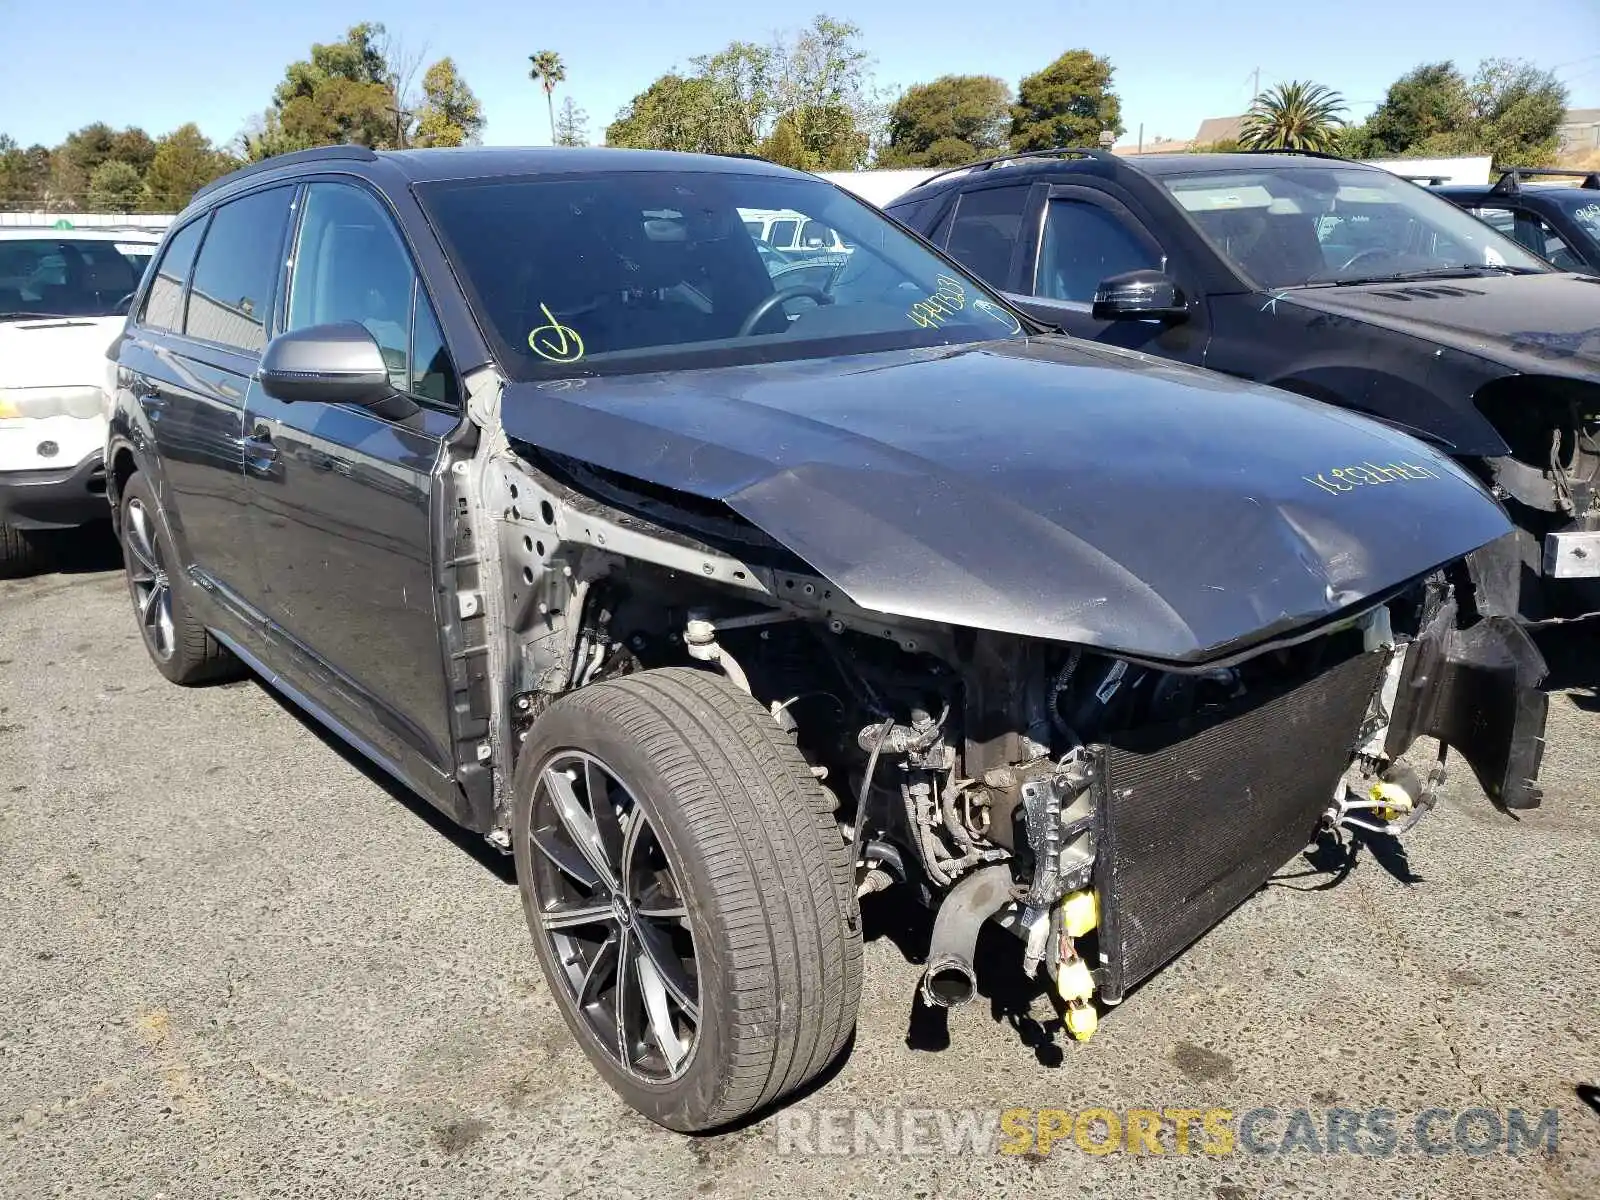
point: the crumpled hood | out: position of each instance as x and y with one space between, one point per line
56 351
1045 487
1536 324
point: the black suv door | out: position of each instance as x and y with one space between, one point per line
340 494
189 358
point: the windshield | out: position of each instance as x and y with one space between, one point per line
1329 224
651 270
60 277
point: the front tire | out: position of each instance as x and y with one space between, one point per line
689 895
179 646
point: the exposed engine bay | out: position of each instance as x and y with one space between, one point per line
1107 810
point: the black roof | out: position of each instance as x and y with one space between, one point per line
473 162
1107 165
1187 164
469 162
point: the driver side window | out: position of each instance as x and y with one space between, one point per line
350 265
1083 245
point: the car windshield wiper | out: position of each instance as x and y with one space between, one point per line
33 316
1459 271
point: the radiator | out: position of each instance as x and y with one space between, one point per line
1193 817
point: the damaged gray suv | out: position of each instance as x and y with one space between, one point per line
720 603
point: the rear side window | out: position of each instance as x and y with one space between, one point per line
231 297
1084 244
985 228
163 303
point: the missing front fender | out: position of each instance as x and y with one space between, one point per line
1477 690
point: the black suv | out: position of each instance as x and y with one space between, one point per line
721 602
1328 278
1558 222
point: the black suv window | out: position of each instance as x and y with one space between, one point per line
163 303
350 265
1084 244
234 276
985 228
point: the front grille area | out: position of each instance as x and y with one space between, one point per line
1195 816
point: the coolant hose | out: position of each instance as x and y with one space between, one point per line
950 978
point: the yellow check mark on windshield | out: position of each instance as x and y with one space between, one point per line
555 341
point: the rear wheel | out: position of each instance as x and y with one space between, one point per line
180 646
689 895
20 554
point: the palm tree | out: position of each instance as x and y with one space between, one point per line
1294 116
548 71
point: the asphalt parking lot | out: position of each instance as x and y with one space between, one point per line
237 964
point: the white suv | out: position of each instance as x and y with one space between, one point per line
64 294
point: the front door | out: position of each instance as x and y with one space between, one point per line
341 493
1086 237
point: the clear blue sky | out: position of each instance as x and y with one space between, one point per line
217 61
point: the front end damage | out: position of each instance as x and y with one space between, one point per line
1108 810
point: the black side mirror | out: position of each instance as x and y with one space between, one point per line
1140 296
330 364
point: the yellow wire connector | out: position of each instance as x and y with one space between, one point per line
1082 1020
1393 798
1073 981
1079 914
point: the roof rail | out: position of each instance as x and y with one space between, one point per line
987 163
315 154
1301 153
1510 181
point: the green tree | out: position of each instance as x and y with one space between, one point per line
821 85
1517 110
115 187
955 119
1069 103
450 114
183 163
1294 116
806 100
572 125
80 153
342 93
24 175
674 113
546 69
741 85
1426 102
135 147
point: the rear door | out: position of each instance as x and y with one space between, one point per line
192 352
340 494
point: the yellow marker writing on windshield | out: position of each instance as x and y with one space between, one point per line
555 341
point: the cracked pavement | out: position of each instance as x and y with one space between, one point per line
237 964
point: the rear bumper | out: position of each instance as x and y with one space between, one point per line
59 499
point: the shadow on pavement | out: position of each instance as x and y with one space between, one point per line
89 550
493 860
